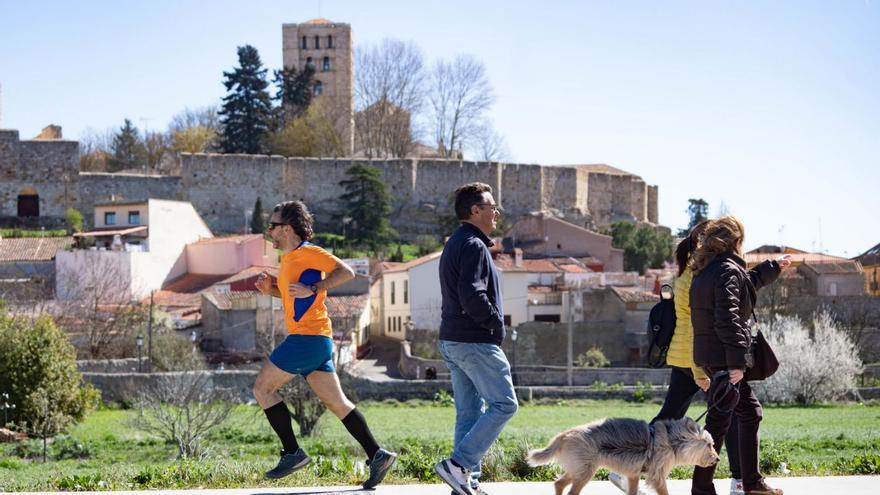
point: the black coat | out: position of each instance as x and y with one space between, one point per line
722 299
471 288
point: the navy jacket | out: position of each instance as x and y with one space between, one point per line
472 307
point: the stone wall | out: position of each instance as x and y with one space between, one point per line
97 187
47 168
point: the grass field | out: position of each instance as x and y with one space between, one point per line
835 439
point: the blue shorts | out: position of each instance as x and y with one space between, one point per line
303 354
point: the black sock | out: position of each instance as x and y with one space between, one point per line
357 426
279 418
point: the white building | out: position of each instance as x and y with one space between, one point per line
138 247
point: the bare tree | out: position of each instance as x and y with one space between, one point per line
487 144
388 92
182 408
94 149
460 95
194 130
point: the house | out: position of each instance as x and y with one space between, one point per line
838 278
870 261
629 308
27 266
135 248
390 295
545 236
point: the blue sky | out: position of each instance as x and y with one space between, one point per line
771 108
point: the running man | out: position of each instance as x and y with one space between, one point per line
308 349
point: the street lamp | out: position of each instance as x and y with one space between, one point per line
6 407
140 344
513 368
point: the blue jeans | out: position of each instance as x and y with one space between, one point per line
479 372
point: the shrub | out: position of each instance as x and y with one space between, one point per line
442 398
814 368
38 371
593 358
73 219
71 448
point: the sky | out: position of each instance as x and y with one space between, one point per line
767 110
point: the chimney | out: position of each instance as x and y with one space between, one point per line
517 257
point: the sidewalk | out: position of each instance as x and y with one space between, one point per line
842 485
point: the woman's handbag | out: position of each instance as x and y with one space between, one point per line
763 358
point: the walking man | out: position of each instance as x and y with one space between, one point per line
471 332
308 349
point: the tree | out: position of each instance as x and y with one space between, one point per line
246 115
156 148
294 93
368 204
460 95
388 92
643 245
73 219
38 371
698 211
257 224
488 144
194 130
127 149
311 134
94 150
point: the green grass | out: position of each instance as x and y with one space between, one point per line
835 439
13 233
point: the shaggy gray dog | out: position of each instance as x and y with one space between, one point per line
628 447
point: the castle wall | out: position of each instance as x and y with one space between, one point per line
98 187
48 168
653 201
521 188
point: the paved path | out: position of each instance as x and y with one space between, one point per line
842 485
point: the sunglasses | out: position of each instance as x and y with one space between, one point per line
273 225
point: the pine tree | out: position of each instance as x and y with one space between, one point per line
294 93
246 115
128 149
368 204
257 224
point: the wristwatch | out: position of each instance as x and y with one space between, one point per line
314 289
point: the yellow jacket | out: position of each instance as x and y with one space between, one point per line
681 349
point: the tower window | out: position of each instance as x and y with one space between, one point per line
326 64
319 88
317 42
329 41
303 45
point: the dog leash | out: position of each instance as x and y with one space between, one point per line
712 401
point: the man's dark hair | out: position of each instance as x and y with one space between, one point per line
467 196
295 214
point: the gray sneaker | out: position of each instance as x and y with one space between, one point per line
289 463
380 464
459 479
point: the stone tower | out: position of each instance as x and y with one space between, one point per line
328 47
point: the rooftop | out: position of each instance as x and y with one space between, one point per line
836 267
33 248
634 295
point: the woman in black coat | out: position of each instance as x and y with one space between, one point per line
722 298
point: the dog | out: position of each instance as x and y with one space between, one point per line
629 447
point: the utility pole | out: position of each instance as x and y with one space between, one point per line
150 336
570 353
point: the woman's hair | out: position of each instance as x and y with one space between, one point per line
724 235
688 245
296 214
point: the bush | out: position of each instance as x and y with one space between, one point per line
38 371
593 358
814 368
74 220
427 244
71 448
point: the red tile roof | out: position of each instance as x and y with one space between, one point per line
540 266
225 300
33 248
636 296
347 306
574 269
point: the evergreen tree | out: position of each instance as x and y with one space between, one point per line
368 204
246 115
643 246
257 224
128 148
294 93
698 211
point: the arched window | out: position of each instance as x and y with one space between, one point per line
309 62
319 88
303 45
326 67
317 42
28 203
329 41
